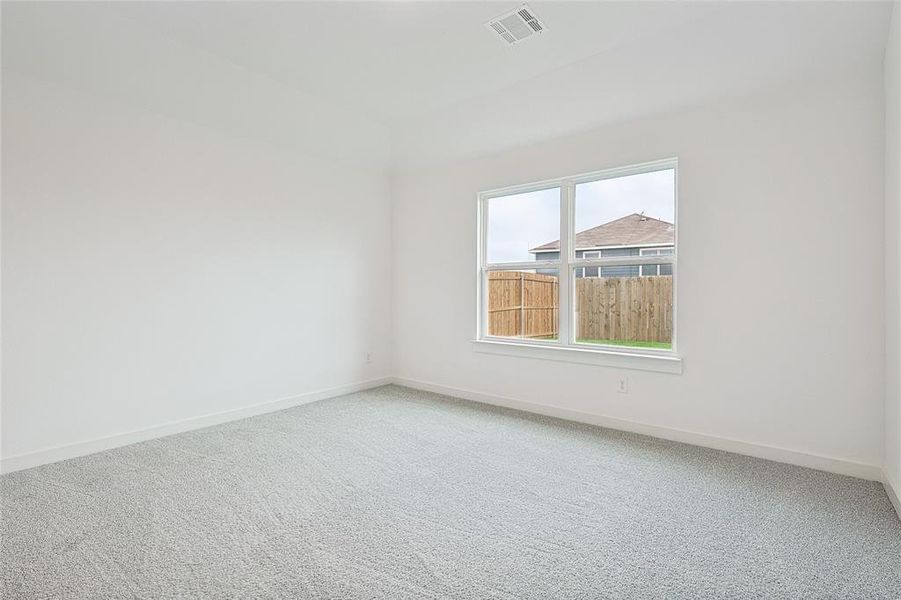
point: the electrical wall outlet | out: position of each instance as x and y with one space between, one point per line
623 385
368 357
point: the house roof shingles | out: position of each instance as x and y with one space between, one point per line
631 230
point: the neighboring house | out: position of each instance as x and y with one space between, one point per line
632 235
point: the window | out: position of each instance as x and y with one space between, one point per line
583 262
656 270
588 271
521 289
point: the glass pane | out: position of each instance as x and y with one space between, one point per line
624 214
524 227
625 310
524 304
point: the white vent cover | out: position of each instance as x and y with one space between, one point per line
516 25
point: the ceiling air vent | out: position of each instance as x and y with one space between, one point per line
516 25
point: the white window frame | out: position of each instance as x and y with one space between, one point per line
565 347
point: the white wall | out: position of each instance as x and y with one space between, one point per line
157 270
90 46
644 68
781 271
893 250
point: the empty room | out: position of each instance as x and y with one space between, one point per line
451 300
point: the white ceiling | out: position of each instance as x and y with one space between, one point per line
431 71
397 60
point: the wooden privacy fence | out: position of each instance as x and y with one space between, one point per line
607 308
522 304
625 308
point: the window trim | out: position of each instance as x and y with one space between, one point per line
565 347
601 356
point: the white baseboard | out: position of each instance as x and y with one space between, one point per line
783 455
893 491
57 453
823 463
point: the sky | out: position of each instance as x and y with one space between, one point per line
522 221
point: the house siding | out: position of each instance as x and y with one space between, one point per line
617 271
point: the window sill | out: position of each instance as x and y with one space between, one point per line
621 359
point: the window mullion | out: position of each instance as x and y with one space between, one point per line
565 276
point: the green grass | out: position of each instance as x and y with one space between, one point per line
629 343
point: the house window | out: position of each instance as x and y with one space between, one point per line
582 262
656 270
588 271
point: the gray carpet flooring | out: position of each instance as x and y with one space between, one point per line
394 493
